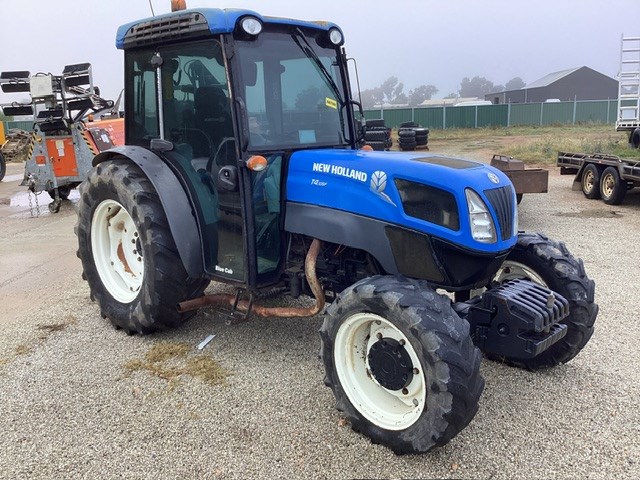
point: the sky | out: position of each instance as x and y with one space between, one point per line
435 42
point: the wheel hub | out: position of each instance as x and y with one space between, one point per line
390 364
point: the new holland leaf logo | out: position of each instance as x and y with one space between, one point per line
378 184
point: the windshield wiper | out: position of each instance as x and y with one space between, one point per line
310 53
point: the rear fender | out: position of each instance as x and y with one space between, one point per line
175 201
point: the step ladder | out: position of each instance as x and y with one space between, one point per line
629 84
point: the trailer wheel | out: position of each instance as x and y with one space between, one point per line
401 363
549 263
612 188
3 167
63 192
591 182
128 255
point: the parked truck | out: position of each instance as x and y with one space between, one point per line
226 177
628 119
65 138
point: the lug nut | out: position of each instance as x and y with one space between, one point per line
416 371
402 342
405 391
379 335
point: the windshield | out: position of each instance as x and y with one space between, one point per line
292 90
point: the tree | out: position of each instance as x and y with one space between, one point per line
478 87
515 83
392 91
420 94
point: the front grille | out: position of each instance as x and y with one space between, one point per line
502 201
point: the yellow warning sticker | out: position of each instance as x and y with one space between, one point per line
331 103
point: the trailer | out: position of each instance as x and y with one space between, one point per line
601 176
628 119
525 180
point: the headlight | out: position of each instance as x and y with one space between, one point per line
335 36
482 226
251 25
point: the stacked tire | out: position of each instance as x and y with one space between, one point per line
407 139
411 136
378 135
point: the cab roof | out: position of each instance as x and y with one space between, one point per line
215 20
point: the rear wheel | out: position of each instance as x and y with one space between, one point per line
612 188
128 255
401 363
549 263
591 182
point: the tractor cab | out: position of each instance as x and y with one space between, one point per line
218 90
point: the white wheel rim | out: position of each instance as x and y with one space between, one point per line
114 243
511 270
388 409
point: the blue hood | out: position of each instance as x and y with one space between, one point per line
363 183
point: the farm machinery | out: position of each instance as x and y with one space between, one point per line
244 164
65 139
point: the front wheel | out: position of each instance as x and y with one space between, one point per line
128 254
401 363
549 263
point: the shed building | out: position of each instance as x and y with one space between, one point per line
582 83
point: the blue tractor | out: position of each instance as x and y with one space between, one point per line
244 164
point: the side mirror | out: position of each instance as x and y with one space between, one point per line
361 125
228 178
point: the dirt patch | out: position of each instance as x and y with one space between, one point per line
170 361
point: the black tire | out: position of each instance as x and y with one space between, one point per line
590 182
379 146
407 148
375 122
449 364
563 273
3 167
378 129
409 134
408 125
375 136
421 131
63 192
164 281
519 198
421 140
634 138
612 188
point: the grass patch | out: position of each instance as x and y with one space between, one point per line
169 361
545 150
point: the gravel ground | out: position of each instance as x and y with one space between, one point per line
70 409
